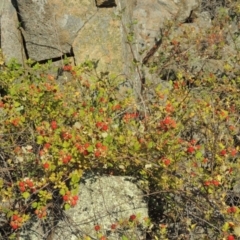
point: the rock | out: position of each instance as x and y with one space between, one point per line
103 201
105 3
93 29
101 40
11 39
49 28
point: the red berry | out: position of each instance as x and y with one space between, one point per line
46 165
54 125
166 161
75 197
15 217
132 217
116 107
65 160
97 227
21 184
29 183
207 183
65 198
14 225
113 226
99 124
104 127
98 145
231 237
97 153
233 152
47 145
67 68
223 152
86 145
66 136
22 189
1 104
73 202
85 152
231 209
104 148
103 238
191 149
215 183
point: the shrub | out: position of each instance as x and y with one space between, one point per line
180 144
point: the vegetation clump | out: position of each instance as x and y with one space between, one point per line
182 143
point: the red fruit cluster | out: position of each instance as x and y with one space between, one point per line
215 183
232 210
47 146
167 123
66 159
116 107
16 222
41 212
169 108
67 68
232 151
102 126
54 125
26 185
192 147
100 149
66 136
15 121
68 198
128 116
223 152
83 148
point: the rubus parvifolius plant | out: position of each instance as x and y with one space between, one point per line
182 146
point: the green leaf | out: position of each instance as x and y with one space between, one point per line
75 178
198 155
90 148
9 214
40 139
67 206
124 237
34 205
137 146
66 144
26 195
150 145
62 191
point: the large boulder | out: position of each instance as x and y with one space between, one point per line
48 27
11 41
103 201
92 29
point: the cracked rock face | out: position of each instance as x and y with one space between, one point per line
106 3
47 27
87 29
10 37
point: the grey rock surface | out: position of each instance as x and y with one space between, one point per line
48 28
103 201
10 37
